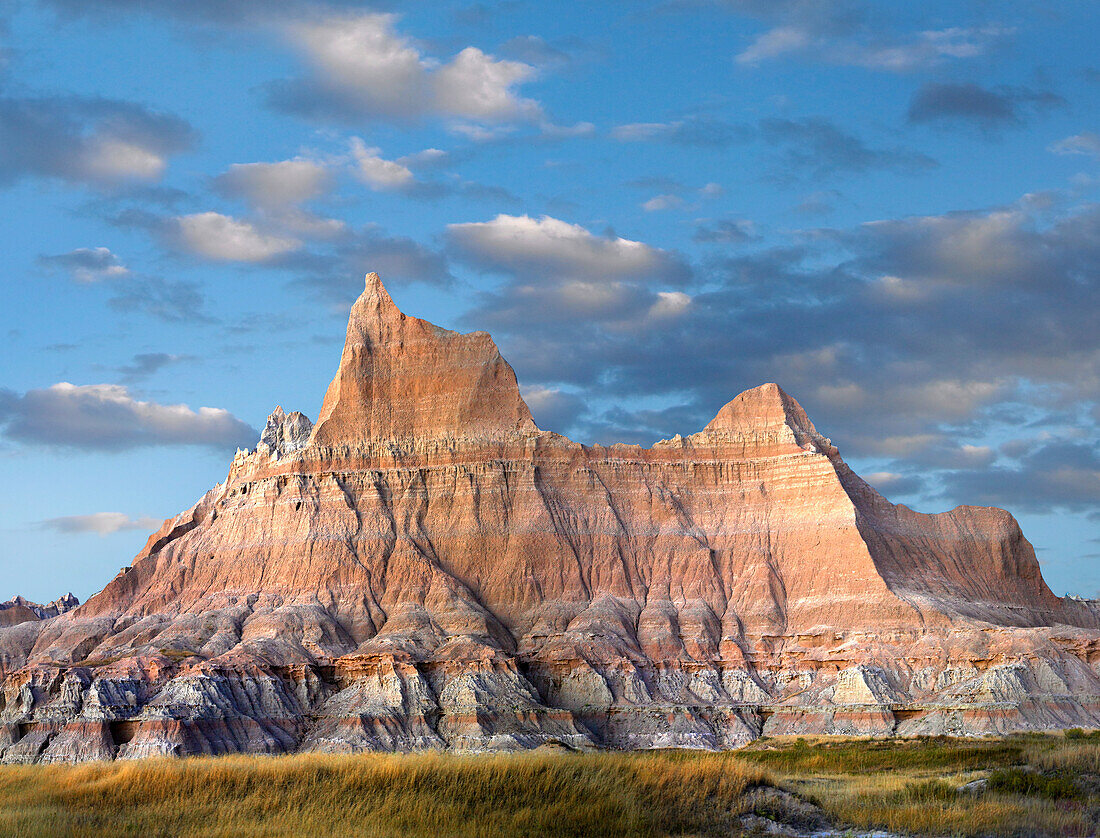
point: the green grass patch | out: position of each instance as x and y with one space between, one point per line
1031 783
866 756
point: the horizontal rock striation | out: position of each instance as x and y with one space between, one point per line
425 568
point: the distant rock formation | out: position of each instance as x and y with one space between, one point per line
425 568
20 610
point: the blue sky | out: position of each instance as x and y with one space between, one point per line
890 209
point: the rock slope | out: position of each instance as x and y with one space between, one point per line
425 568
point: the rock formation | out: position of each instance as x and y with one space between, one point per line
21 610
425 568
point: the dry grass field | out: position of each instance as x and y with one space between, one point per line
1034 785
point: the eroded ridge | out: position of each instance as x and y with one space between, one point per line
425 568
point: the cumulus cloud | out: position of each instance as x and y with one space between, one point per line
223 238
88 264
549 247
985 108
107 417
87 140
377 172
100 523
892 334
1061 474
891 483
774 43
361 67
275 192
428 158
276 185
559 272
662 202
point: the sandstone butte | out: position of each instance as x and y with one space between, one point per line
425 568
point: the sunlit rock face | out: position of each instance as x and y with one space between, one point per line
424 568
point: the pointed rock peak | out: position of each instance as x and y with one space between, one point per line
65 603
284 432
767 407
375 298
402 378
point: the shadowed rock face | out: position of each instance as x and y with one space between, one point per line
425 568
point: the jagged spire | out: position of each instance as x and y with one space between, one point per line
404 378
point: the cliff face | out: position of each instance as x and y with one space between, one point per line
425 568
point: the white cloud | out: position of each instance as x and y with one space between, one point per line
703 131
376 172
919 51
662 202
100 523
274 185
107 416
1087 142
480 133
363 67
89 264
670 304
561 273
773 43
275 191
297 222
92 140
110 159
478 86
549 246
552 408
577 129
227 239
428 158
676 199
636 131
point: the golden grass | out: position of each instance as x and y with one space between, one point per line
432 795
904 786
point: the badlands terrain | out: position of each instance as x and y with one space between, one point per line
424 568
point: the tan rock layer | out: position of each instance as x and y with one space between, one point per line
424 568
